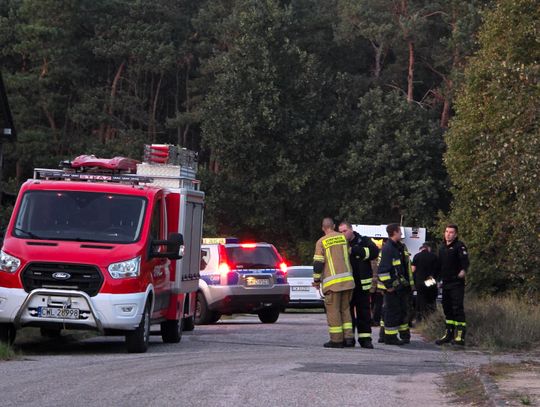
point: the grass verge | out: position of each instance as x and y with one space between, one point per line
7 352
466 387
493 323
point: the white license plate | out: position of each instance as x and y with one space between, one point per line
61 313
300 288
257 281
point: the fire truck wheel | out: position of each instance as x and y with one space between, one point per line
137 340
49 332
203 315
7 333
269 315
171 331
189 324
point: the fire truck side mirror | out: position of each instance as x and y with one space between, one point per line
175 247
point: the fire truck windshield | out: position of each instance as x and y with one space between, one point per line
80 216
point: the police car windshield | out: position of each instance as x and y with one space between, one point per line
80 216
259 257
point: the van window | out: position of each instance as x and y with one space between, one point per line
205 258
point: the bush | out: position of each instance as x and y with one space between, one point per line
494 323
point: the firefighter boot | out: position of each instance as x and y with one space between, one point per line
365 343
331 344
405 335
447 337
381 333
459 339
349 343
392 339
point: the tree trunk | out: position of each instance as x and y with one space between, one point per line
152 127
445 114
410 76
378 58
108 132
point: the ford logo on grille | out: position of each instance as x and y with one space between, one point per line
61 276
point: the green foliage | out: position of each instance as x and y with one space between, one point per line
265 121
494 152
7 352
393 165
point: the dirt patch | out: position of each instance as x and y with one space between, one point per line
466 387
518 384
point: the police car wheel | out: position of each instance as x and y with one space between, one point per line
203 315
189 324
137 340
269 315
7 333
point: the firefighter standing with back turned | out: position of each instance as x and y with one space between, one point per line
454 261
331 266
362 251
394 274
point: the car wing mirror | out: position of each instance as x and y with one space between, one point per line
175 247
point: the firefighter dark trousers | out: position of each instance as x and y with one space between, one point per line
338 315
376 307
396 310
425 302
452 302
361 313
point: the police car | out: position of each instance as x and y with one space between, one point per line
240 278
303 294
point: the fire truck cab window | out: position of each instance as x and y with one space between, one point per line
155 226
80 216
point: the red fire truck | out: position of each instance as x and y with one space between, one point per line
111 245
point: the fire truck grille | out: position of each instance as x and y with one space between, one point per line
62 276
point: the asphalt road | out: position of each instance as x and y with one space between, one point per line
236 362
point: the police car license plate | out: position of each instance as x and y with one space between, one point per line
300 288
257 281
61 313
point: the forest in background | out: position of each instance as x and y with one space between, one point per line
373 111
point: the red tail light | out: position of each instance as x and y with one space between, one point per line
283 267
224 268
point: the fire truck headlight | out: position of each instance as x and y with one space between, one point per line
125 269
8 263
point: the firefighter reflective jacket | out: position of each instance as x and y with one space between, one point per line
363 250
394 268
331 263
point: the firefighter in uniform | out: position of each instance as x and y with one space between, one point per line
332 268
377 288
362 251
453 261
394 274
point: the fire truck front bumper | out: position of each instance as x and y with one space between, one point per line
71 309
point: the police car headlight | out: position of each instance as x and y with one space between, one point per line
8 263
125 269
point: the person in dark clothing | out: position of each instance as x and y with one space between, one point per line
362 251
394 274
454 261
425 266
